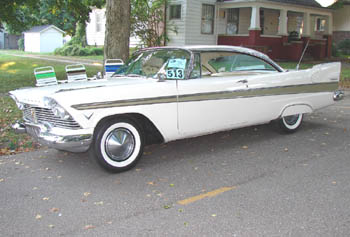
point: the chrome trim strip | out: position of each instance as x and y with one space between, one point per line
270 91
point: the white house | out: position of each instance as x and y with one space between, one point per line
43 39
265 25
95 29
341 22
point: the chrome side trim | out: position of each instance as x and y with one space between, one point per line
245 93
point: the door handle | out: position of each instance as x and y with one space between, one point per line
242 81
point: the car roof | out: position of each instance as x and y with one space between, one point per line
208 48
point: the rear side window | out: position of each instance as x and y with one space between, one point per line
220 62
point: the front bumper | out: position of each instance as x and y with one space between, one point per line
61 139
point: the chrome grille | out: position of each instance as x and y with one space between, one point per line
43 115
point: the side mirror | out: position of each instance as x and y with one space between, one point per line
161 77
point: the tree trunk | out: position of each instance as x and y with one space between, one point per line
117 34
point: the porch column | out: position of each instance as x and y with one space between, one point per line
255 19
282 27
254 29
329 25
328 36
306 24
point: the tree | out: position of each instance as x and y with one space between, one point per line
147 21
20 15
117 34
16 13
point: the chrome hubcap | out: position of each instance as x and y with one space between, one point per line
291 120
120 144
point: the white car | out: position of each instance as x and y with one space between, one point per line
169 93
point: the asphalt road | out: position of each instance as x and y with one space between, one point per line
246 182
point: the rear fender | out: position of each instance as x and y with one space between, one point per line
296 109
326 72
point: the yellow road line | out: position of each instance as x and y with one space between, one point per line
204 195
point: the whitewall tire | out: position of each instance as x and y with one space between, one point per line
290 124
118 144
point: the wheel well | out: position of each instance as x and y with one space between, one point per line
152 134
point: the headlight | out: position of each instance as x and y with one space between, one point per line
56 109
19 104
49 102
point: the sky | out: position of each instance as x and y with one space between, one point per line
325 3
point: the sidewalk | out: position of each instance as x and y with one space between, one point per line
62 59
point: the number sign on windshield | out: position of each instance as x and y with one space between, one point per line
175 73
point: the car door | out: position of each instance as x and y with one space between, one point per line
228 93
210 101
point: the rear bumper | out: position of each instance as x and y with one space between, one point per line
338 95
61 139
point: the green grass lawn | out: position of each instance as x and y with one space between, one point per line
91 57
17 72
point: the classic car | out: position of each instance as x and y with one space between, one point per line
169 93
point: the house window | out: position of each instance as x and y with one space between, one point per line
232 21
175 12
207 19
320 24
262 21
98 21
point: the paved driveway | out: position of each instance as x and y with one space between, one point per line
247 182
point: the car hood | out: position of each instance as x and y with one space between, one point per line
35 95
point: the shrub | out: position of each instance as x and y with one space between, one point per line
344 46
95 51
21 44
335 51
77 50
66 51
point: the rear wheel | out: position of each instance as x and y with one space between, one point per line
118 144
290 124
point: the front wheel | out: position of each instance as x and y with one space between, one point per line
118 144
290 124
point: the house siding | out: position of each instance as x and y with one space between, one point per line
341 19
50 40
193 25
95 33
176 28
93 36
32 42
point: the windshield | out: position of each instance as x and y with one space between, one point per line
171 62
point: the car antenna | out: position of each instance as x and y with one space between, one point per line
302 55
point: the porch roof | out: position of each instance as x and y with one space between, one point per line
307 3
310 3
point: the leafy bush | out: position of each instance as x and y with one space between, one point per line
344 46
77 50
335 51
21 44
95 51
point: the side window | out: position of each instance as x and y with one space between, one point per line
221 62
196 72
